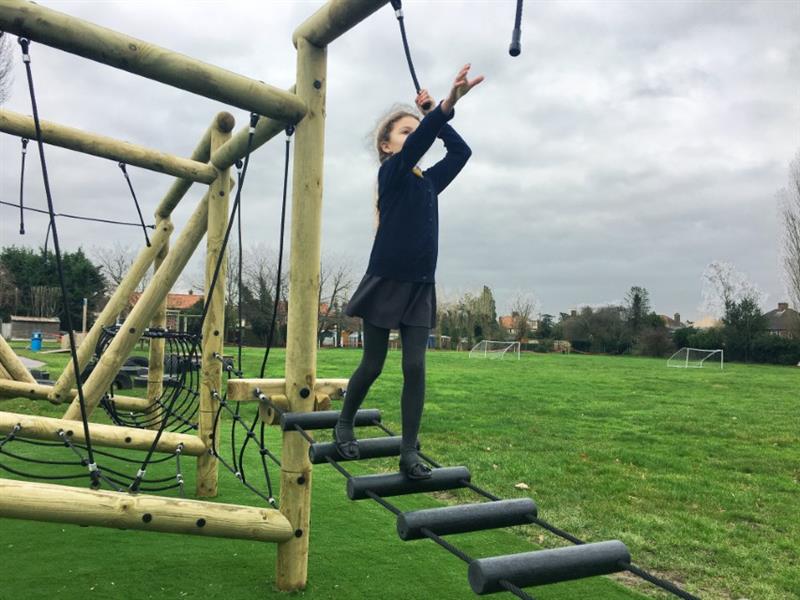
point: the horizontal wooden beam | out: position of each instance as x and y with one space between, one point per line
244 390
25 389
100 508
335 18
106 147
115 49
38 391
47 428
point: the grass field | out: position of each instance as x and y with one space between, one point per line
697 471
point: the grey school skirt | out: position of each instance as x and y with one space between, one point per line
388 303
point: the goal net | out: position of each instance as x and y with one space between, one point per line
493 349
696 358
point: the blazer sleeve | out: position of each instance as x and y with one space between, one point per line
458 153
416 145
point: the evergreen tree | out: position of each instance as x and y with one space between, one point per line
32 271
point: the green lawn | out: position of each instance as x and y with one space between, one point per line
697 471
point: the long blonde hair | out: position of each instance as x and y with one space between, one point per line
382 133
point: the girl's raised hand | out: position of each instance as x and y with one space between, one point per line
461 86
424 102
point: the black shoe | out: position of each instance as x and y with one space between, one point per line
347 449
413 468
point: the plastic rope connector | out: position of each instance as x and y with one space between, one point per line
25 44
253 122
25 145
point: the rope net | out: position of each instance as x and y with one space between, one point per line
180 390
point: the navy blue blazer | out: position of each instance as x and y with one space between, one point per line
406 244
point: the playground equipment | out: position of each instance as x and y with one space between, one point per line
295 403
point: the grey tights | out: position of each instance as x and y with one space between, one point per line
376 342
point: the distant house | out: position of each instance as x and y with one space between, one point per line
508 324
783 321
672 323
707 322
178 307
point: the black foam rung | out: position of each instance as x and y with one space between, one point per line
326 419
547 566
367 448
465 517
397 484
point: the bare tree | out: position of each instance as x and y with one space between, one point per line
45 300
524 307
6 66
723 285
116 261
335 282
260 270
790 213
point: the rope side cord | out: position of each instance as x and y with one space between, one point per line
124 170
22 187
658 582
277 295
78 217
94 473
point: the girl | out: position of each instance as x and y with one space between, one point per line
398 290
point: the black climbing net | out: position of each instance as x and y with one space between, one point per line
44 461
178 402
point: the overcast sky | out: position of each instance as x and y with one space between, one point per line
631 143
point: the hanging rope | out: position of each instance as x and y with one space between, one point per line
135 201
94 472
21 187
516 46
276 297
397 5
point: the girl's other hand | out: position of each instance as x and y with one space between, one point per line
424 102
461 86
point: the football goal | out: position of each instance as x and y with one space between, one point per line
493 349
696 358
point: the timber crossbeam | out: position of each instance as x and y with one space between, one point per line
106 147
100 508
112 436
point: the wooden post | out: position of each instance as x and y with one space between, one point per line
116 304
120 347
214 324
64 504
105 147
11 362
130 54
155 362
301 349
